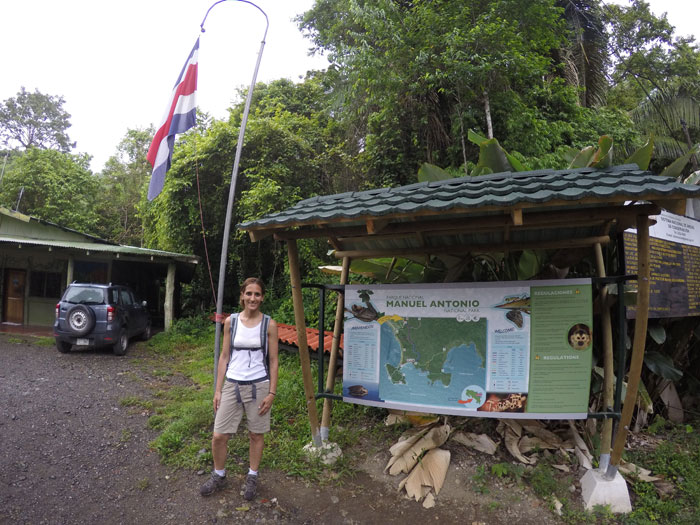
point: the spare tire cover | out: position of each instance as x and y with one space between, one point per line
80 319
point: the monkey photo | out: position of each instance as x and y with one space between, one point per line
580 336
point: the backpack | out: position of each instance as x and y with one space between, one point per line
263 339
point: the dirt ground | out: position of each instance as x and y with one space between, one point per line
71 454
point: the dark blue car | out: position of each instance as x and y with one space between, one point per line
92 315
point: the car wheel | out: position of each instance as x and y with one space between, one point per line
63 346
80 319
121 344
146 334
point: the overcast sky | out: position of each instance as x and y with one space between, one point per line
115 62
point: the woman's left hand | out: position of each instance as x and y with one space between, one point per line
266 404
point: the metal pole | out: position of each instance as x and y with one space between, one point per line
232 189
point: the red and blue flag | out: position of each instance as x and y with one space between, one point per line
180 116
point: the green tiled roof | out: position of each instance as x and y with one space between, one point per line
500 190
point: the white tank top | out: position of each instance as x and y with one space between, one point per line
246 365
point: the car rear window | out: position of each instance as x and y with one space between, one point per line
84 295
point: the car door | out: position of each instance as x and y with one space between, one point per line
134 313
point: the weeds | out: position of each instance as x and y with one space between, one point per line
480 480
677 460
184 417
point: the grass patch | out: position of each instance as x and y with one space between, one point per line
184 415
44 341
677 460
136 402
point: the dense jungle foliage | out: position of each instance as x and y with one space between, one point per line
407 81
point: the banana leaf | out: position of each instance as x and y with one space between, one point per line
604 155
662 365
657 333
676 167
583 158
492 159
431 173
474 137
642 157
529 264
693 178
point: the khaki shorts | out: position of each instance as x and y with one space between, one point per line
230 412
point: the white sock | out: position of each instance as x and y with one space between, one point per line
253 472
221 473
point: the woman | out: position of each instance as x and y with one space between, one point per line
246 382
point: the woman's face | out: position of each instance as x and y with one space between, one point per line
252 296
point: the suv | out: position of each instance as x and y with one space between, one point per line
91 315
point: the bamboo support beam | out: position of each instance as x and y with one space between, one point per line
609 373
640 334
300 322
335 345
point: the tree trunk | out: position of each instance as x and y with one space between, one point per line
487 111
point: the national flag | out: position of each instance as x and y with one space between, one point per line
180 116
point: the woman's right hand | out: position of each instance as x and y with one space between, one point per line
217 400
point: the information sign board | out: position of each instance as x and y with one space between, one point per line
674 265
506 349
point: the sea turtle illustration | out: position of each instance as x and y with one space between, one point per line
358 391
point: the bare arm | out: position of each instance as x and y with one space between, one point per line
223 362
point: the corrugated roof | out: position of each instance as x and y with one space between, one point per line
496 212
99 247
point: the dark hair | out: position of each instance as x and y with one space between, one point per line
249 281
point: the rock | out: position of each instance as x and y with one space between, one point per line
328 452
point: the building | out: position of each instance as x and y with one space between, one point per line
38 259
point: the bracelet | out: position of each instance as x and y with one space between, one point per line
272 393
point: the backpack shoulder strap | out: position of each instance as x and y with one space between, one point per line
263 341
232 332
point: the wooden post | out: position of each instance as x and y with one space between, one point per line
337 327
70 271
609 372
169 305
640 335
300 322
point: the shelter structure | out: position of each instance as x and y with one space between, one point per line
38 259
564 209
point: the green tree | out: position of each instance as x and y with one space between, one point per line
291 148
35 120
55 186
584 60
413 77
122 183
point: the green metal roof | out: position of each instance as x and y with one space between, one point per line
500 190
502 211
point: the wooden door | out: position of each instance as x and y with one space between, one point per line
14 296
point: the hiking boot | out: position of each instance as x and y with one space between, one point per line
251 487
214 483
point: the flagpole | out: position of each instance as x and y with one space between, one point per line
232 189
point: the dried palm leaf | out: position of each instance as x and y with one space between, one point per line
511 439
545 435
583 458
529 443
404 462
514 425
429 473
480 442
632 470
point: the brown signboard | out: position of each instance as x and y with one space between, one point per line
674 247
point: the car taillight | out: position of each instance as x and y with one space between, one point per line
110 313
58 307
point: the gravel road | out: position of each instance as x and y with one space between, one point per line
71 454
